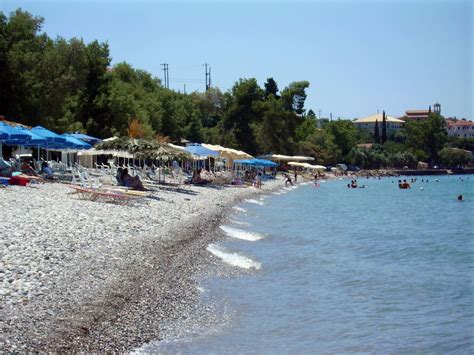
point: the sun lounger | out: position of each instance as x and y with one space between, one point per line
112 195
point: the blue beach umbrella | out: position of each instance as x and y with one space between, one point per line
200 151
34 140
24 137
256 162
265 162
53 139
75 143
3 134
85 138
13 133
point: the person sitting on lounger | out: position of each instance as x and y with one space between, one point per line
27 169
119 177
197 179
5 168
132 182
46 171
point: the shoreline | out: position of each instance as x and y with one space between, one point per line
101 295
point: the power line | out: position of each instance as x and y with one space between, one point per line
166 75
208 76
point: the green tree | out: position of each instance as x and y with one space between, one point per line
22 46
402 159
271 88
321 146
344 133
271 132
428 136
311 115
376 132
384 128
453 157
294 96
237 128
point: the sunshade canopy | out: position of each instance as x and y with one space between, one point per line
85 138
50 136
139 148
198 150
75 143
280 157
228 152
13 133
256 162
307 166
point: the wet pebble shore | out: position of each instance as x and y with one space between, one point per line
81 275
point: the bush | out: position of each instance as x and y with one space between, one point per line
454 157
399 160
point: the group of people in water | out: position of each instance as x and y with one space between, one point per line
354 185
403 185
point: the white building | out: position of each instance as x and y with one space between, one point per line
368 123
460 128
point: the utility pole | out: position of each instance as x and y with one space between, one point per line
208 76
319 111
330 116
166 75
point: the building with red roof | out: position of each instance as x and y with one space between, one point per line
460 128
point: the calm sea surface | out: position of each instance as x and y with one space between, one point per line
333 269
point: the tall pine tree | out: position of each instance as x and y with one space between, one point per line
384 127
376 132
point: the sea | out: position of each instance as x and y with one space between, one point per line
327 268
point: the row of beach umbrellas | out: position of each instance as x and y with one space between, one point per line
256 162
40 137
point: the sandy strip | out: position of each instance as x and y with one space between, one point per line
93 276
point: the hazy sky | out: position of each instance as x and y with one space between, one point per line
359 56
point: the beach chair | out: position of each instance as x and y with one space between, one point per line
83 179
108 195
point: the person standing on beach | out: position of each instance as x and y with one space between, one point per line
259 179
296 176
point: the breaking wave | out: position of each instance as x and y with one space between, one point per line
251 200
233 259
241 234
240 209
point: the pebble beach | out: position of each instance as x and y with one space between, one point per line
93 276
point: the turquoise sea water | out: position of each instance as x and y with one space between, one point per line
334 269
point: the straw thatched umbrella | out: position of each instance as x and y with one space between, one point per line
144 149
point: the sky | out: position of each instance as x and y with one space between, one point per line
359 56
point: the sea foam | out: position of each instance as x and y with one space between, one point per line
251 200
240 209
241 234
233 259
233 221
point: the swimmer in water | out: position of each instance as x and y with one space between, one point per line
460 197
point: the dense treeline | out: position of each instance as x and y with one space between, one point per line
69 85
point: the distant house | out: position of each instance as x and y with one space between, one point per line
420 115
460 128
368 123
